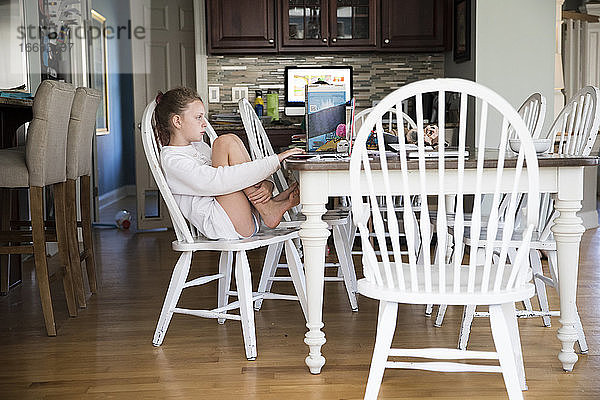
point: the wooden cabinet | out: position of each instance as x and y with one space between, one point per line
241 26
327 25
412 25
288 26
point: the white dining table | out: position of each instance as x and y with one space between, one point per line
562 176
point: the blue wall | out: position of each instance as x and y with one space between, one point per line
116 152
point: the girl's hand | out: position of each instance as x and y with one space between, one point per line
290 152
262 194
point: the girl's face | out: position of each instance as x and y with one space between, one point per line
190 125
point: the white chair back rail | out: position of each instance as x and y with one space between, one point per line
577 124
533 112
388 119
410 274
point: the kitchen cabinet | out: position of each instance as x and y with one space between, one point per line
288 26
413 25
241 26
327 25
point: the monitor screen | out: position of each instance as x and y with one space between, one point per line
296 79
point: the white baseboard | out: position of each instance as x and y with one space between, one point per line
590 219
115 195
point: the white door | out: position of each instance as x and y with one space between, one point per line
164 59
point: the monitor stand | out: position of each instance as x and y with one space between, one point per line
294 111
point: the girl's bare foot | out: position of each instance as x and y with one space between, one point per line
286 193
272 211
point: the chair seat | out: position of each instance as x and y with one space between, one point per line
331 217
372 290
13 168
264 237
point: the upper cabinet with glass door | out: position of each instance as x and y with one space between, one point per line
327 24
352 22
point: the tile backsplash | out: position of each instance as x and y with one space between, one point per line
375 75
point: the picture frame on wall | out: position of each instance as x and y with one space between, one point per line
99 70
462 31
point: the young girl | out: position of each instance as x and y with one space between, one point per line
219 190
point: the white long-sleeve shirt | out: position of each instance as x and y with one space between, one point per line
194 182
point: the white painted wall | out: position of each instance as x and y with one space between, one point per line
514 50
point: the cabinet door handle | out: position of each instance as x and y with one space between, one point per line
386 41
324 40
334 40
271 41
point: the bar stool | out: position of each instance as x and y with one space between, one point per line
42 163
79 166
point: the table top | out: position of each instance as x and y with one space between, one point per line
490 161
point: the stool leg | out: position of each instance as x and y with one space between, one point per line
86 226
71 216
63 245
39 251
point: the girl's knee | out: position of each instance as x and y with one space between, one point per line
227 139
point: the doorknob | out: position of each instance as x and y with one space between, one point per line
139 126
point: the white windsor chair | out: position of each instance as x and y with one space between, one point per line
188 241
393 278
580 121
533 112
339 221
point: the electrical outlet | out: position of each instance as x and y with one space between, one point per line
238 93
213 94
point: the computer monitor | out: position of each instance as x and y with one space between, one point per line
296 79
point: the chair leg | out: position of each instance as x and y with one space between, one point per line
347 266
504 348
225 267
386 325
440 315
86 228
269 270
540 287
63 246
39 251
76 271
465 327
508 312
297 273
428 310
583 346
178 278
243 282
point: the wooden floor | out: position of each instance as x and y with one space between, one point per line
106 352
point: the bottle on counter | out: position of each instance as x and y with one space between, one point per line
259 104
273 104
